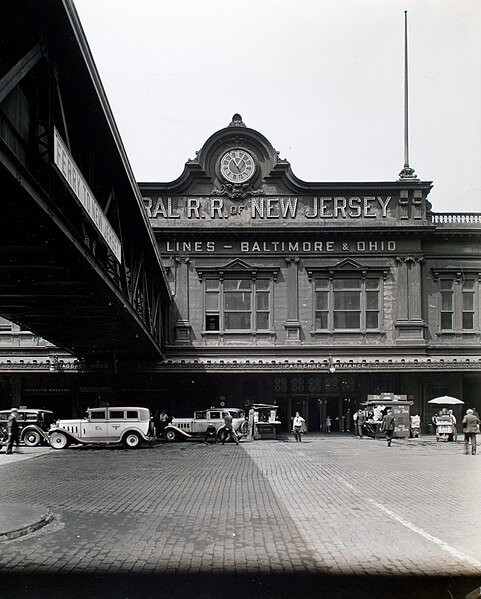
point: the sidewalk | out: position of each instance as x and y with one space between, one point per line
18 519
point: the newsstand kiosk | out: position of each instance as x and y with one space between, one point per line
375 408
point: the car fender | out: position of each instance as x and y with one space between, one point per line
68 434
33 427
133 429
177 430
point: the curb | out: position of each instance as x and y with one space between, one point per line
34 518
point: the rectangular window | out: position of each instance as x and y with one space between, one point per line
97 415
116 415
133 415
346 303
468 304
447 304
458 303
237 304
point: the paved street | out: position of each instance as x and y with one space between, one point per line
329 517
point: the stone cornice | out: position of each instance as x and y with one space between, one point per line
341 366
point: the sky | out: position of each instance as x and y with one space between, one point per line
323 80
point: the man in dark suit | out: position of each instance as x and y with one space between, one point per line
388 425
12 430
470 427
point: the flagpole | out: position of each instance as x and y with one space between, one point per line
407 172
406 92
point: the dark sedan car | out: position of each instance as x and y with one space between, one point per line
32 424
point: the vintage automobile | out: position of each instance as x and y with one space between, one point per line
32 425
180 429
128 425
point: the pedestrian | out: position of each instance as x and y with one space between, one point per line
163 420
328 424
470 428
297 425
12 427
388 425
210 433
361 420
454 422
229 429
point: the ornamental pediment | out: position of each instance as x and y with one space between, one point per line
237 267
348 267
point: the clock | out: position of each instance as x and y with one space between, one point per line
237 166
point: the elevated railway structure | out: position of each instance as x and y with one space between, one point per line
79 265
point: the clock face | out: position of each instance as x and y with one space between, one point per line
237 166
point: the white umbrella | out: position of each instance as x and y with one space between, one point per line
446 400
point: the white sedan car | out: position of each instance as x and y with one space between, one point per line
127 425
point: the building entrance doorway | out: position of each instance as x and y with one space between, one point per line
334 414
316 411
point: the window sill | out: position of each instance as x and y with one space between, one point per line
347 332
454 333
239 332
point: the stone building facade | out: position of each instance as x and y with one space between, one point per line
311 295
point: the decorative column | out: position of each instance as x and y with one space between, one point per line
410 324
182 323
292 325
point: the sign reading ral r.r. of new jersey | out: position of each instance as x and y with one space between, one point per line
272 210
70 172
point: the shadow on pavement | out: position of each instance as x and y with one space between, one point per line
247 586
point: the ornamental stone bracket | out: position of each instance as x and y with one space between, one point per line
236 190
183 333
410 332
293 332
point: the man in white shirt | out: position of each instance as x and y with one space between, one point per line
297 426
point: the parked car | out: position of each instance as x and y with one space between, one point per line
128 425
186 428
32 426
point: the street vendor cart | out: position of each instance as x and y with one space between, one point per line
262 422
375 408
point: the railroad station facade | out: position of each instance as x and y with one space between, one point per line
311 295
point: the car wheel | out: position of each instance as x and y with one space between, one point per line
222 435
132 440
171 436
32 438
58 440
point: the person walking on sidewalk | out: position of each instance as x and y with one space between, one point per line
12 427
470 427
360 421
297 426
328 424
388 425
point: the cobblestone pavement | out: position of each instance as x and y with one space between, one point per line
333 516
